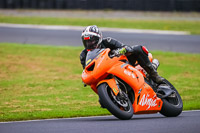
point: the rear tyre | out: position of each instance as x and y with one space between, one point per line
120 107
172 105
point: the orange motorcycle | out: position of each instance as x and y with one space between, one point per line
125 89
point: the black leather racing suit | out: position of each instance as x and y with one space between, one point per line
134 53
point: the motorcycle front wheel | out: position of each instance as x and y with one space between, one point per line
120 106
172 105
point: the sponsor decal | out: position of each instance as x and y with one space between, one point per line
131 68
115 91
146 101
159 104
141 69
84 75
98 56
123 65
139 91
88 61
129 73
100 61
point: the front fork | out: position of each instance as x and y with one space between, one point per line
118 95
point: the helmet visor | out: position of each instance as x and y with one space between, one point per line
90 42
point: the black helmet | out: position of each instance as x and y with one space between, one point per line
91 37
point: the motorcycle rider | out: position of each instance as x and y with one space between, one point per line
92 39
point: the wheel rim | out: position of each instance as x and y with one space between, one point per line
121 102
173 98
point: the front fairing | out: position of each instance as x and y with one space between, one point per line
98 63
96 66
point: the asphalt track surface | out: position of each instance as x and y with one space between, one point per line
187 122
164 42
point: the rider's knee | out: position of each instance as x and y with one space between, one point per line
137 49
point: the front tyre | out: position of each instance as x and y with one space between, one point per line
119 106
172 105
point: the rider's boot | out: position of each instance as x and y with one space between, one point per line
153 73
144 62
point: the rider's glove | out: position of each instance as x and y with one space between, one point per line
121 51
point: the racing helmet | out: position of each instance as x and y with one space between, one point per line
91 37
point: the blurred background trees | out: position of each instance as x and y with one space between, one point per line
135 5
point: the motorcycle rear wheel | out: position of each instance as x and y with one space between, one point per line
123 111
172 106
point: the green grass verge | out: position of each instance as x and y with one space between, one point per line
190 26
38 82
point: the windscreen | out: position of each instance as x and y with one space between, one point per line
92 54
